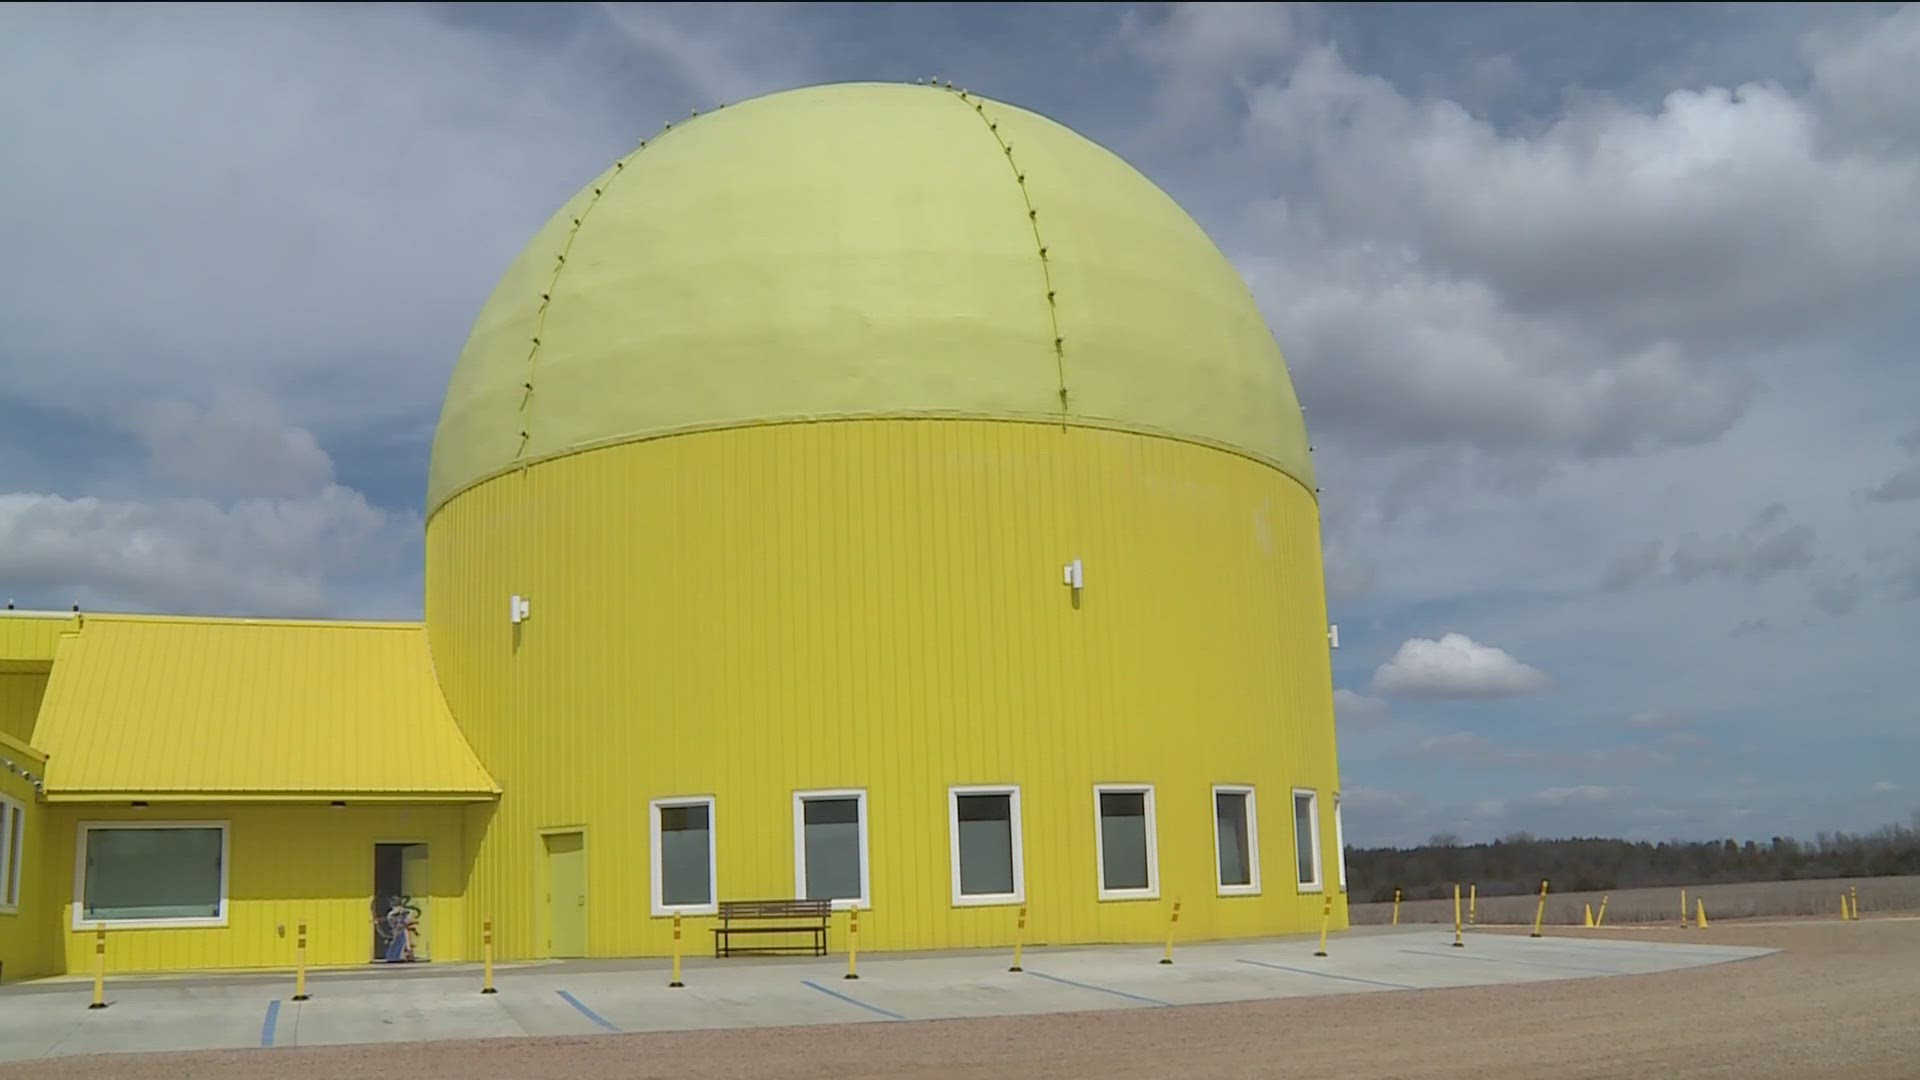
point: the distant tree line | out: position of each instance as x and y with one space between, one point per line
1517 863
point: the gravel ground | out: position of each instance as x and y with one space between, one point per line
1840 1000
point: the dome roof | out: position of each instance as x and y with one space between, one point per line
864 250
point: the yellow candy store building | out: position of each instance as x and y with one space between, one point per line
871 492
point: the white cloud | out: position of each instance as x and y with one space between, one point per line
1355 710
1884 787
240 446
304 556
1579 793
1455 667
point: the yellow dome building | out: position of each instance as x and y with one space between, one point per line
869 492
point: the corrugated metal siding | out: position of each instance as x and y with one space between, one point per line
26 946
879 604
20 694
152 706
27 640
287 864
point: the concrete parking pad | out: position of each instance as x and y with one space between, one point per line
50 1018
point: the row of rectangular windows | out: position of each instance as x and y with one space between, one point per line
175 873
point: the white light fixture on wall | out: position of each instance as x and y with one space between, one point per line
1333 636
522 609
1073 575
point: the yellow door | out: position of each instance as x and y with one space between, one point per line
566 894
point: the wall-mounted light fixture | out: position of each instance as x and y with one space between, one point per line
1074 576
522 609
1333 636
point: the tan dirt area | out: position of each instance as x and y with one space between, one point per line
1839 1000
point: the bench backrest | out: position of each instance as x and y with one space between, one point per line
776 909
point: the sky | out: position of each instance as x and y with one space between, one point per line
1604 318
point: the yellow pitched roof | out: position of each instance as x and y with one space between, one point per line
176 709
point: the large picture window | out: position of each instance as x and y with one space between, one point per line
830 847
1236 840
1306 838
683 857
151 874
1124 841
985 834
13 838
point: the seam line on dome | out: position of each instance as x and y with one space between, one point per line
1039 241
553 281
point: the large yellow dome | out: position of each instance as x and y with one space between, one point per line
864 250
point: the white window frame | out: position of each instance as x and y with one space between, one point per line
13 819
800 799
1019 893
1252 887
1340 841
1318 884
1152 891
81 922
660 906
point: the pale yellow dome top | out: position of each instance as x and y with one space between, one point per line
864 250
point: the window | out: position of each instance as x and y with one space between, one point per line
1340 841
683 870
830 847
1306 838
1124 842
151 874
13 837
986 845
1236 840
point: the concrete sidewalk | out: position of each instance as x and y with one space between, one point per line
51 1018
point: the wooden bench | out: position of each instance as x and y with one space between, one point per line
772 917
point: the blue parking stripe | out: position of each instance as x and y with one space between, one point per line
852 1000
273 1020
1329 975
1090 986
586 1012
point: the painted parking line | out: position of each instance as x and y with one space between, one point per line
272 1021
851 1000
1090 986
1329 974
1517 963
584 1011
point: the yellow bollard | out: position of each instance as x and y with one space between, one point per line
1600 917
676 951
1326 917
486 955
1396 907
1856 901
1473 904
1019 939
1700 908
1844 914
99 967
1540 913
1171 925
1589 922
1457 943
1683 909
300 971
853 942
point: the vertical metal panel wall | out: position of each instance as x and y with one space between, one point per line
880 604
286 864
26 948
